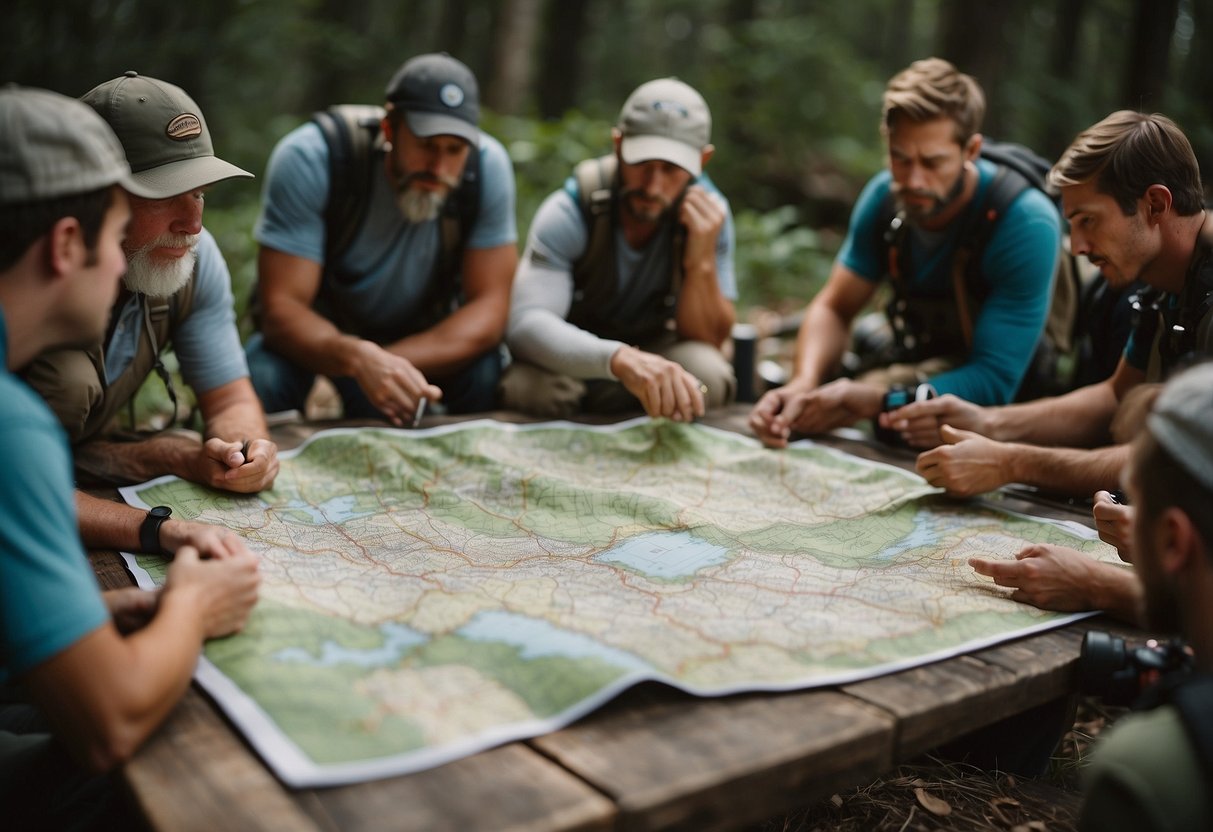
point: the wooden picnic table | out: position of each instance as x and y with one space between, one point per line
653 758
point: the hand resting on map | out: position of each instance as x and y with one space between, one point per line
221 591
210 540
1065 580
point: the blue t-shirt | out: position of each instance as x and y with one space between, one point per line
1017 267
391 260
206 341
49 598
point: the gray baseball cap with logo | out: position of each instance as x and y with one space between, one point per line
164 134
439 96
1182 421
668 120
52 146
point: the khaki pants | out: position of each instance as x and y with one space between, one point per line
539 392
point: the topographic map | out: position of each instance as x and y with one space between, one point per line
427 594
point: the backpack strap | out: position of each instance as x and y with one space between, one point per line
459 214
355 142
596 197
596 272
353 137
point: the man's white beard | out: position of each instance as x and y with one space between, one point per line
419 205
160 279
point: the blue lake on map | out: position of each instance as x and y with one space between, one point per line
923 534
335 510
666 554
539 638
397 639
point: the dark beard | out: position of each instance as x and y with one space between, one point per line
1161 610
626 198
917 215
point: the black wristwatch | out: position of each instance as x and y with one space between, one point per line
149 530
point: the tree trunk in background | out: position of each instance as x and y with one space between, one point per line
514 48
1197 77
560 61
977 37
452 27
1063 62
897 51
1149 58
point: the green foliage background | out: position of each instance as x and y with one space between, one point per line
794 86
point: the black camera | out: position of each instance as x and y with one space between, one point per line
1119 674
899 395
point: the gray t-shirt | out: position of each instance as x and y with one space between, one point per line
539 331
391 261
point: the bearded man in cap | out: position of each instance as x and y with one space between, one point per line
387 250
1152 770
176 290
86 676
625 291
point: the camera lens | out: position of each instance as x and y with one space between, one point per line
1102 656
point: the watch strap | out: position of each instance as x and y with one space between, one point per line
149 530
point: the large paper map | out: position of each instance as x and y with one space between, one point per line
427 594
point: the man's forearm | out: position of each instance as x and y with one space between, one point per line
542 338
310 340
455 341
820 344
1117 591
1078 419
1069 470
237 422
125 463
108 525
704 314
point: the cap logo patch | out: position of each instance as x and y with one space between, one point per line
451 95
184 127
672 107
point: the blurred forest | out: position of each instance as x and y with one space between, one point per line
794 85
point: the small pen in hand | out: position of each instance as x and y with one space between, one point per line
244 449
419 412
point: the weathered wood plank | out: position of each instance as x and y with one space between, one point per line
110 569
939 702
671 761
194 774
508 788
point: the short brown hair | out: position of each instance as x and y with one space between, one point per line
22 225
933 88
1128 152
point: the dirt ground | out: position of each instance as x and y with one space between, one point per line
933 794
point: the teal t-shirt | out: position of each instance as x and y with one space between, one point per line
1017 268
49 598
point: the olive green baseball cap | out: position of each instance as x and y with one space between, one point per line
52 146
163 133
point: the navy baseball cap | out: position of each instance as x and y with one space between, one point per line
439 96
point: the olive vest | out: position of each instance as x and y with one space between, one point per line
596 272
72 381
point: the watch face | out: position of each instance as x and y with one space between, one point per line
160 511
